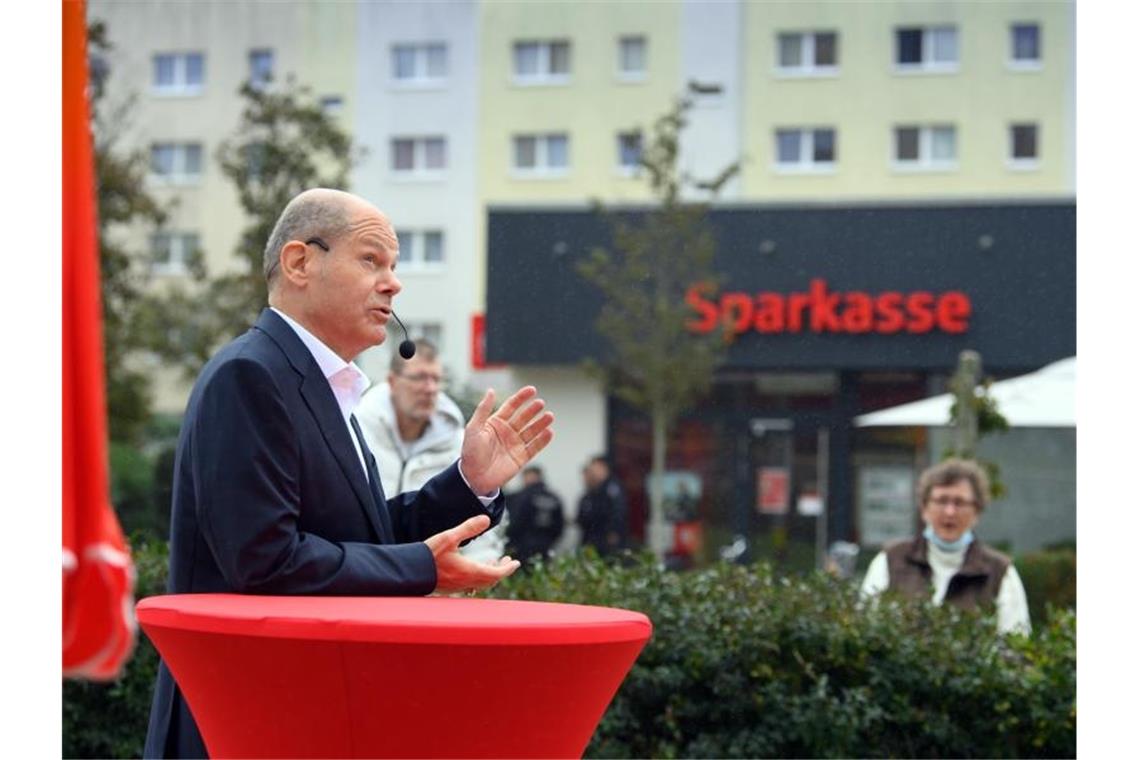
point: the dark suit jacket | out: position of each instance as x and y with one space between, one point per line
270 498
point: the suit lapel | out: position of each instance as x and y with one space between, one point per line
318 396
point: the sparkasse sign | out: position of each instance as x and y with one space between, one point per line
820 310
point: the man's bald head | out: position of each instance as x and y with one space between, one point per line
317 212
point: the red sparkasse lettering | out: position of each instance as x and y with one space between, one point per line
888 306
705 308
824 317
919 306
770 313
823 311
797 304
741 304
857 317
953 312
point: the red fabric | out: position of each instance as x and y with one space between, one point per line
393 677
98 624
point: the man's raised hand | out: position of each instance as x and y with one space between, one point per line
496 446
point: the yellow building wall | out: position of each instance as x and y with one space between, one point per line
592 108
868 98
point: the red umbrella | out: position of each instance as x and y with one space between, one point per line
98 577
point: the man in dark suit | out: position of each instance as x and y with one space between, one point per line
275 490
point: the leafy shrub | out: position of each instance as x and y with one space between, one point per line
1050 578
110 719
746 664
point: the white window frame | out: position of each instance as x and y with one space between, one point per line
630 76
421 79
1028 64
807 66
419 171
925 162
332 105
806 164
542 169
544 77
181 252
178 176
258 84
413 246
629 170
927 65
180 88
1024 164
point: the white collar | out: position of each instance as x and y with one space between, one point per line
327 359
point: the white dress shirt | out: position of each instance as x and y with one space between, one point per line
348 384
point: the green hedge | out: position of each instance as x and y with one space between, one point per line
745 664
1050 579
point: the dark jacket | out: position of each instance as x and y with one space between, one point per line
975 585
535 521
270 498
603 518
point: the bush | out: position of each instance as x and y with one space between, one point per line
745 664
110 719
1050 579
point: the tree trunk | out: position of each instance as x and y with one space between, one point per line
658 534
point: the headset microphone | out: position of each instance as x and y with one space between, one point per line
407 347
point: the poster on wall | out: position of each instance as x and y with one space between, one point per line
886 503
772 490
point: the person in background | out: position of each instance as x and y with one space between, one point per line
415 430
536 519
946 562
602 513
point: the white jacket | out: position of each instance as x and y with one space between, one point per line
436 450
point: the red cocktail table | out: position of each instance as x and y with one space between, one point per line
291 676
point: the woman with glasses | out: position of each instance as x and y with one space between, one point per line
946 562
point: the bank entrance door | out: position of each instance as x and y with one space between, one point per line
787 515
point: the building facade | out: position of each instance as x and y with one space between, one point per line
889 147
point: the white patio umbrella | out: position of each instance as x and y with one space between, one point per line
1045 398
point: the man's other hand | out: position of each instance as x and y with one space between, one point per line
454 572
496 446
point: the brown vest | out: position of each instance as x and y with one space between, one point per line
976 583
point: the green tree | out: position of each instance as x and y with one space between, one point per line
123 204
284 143
654 362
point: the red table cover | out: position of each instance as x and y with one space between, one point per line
393 677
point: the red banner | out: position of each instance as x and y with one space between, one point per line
98 577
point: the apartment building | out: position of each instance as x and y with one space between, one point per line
489 127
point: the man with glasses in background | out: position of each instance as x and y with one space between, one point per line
415 430
946 562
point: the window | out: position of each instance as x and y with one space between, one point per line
631 58
926 148
173 252
260 68
807 53
1023 149
178 73
1025 46
629 151
800 150
178 163
419 64
419 155
421 249
536 155
542 62
332 105
926 48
